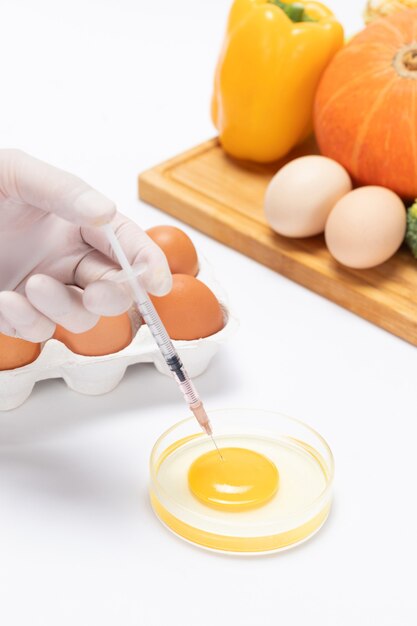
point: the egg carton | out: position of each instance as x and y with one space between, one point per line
99 375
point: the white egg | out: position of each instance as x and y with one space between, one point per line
301 195
366 227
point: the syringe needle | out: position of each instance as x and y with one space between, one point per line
217 447
203 419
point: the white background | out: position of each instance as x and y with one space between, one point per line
107 88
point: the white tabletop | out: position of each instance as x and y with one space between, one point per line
106 89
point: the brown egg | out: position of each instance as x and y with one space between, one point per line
190 311
17 352
366 227
177 247
108 336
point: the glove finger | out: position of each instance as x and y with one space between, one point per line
139 248
26 179
107 298
24 319
60 303
101 295
6 328
157 278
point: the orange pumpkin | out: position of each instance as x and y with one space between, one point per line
366 105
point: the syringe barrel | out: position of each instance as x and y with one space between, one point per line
157 329
190 394
151 317
171 356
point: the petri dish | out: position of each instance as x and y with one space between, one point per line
296 508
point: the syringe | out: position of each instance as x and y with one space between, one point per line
159 333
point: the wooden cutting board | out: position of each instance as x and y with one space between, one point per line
224 199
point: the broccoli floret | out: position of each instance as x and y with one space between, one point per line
411 234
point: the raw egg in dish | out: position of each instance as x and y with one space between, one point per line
109 335
177 247
271 490
238 480
17 352
190 311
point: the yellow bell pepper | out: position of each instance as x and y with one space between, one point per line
269 68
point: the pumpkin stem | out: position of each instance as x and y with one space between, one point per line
410 60
405 61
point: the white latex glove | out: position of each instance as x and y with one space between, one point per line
48 241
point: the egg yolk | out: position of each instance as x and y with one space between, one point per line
243 480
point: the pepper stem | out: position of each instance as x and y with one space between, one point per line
295 11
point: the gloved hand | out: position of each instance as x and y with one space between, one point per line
41 254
